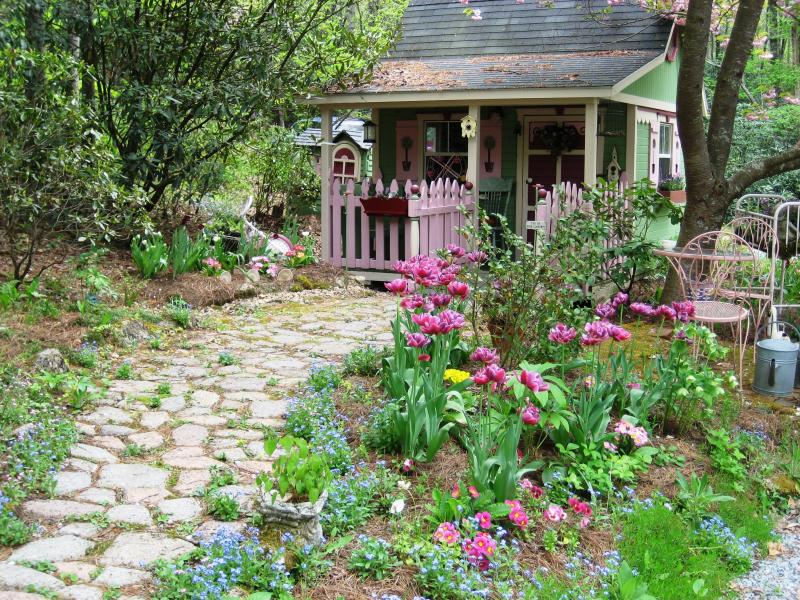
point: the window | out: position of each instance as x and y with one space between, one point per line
445 151
346 162
665 151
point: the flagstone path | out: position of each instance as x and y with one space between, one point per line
127 496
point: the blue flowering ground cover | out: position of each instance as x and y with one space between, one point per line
35 435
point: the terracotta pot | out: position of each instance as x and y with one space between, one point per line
675 196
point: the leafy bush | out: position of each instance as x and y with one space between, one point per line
57 177
149 254
222 506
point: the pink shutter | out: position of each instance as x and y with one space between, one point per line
407 130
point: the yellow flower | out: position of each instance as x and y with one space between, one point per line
455 376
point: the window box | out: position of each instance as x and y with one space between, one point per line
675 196
380 206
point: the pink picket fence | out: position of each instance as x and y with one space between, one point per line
566 199
358 241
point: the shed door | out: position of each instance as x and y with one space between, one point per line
546 169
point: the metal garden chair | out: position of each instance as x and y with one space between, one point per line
715 270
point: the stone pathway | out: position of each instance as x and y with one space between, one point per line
127 496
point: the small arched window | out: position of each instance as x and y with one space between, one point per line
346 162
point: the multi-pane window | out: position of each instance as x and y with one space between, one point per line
445 151
665 146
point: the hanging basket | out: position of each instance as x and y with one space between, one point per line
379 206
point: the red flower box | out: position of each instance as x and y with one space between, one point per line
379 206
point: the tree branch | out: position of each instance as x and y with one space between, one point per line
762 168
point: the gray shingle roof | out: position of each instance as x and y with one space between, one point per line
537 44
344 128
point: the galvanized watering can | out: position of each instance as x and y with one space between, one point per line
776 360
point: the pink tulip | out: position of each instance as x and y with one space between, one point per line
417 340
485 355
533 381
458 288
562 334
530 415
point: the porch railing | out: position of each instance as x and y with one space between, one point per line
359 241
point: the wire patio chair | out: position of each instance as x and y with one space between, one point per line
715 270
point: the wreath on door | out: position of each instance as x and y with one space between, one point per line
559 138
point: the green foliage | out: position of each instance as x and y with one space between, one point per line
184 254
35 438
363 361
180 312
179 91
278 173
299 472
149 254
760 138
373 558
379 433
696 496
124 371
726 455
9 294
517 293
226 359
57 176
655 541
223 507
353 498
225 561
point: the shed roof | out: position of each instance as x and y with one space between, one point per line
349 128
536 44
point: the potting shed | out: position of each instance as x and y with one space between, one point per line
529 97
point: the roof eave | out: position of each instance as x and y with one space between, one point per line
450 97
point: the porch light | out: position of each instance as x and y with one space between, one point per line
370 132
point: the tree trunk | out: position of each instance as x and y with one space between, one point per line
35 37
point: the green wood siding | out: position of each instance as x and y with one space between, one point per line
659 84
662 229
642 150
